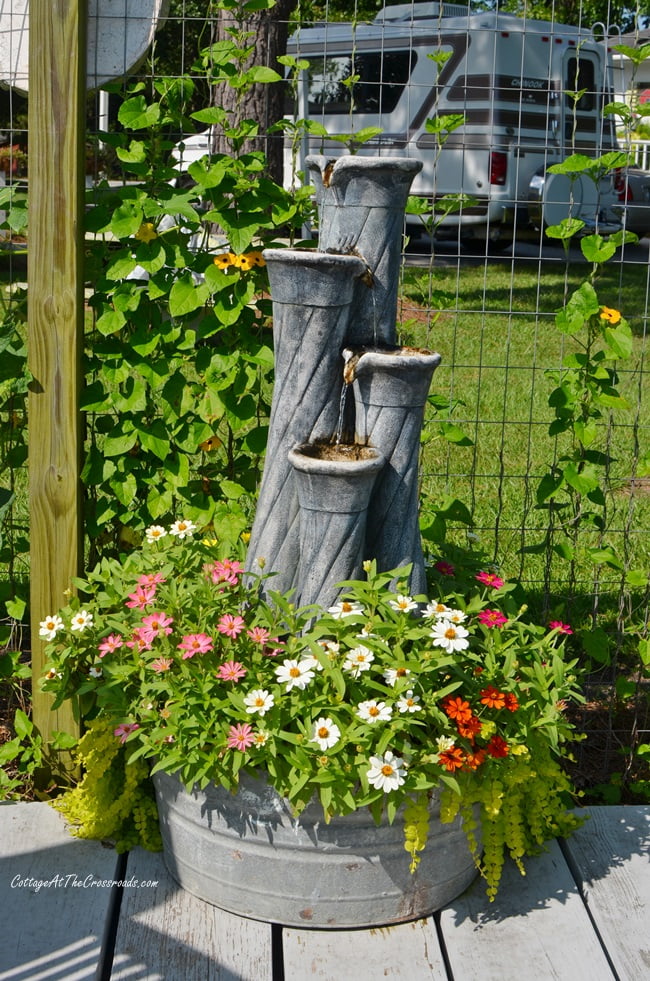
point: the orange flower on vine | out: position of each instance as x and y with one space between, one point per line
610 315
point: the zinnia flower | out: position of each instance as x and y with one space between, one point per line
493 698
449 636
161 664
193 644
231 671
386 772
393 675
409 703
151 579
259 701
124 730
490 579
157 623
562 628
259 635
50 626
404 604
497 747
240 737
469 728
374 711
225 571
357 660
294 674
154 533
141 597
444 568
457 708
452 758
345 609
325 732
492 618
81 621
511 702
183 528
230 625
110 644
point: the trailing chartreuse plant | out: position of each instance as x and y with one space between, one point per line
173 658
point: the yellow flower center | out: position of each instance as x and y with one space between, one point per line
373 710
387 770
323 732
294 672
450 633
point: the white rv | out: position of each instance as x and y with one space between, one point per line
530 94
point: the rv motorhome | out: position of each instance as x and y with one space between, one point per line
523 95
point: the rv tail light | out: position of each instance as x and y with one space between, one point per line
498 167
622 187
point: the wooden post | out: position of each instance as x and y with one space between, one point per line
57 93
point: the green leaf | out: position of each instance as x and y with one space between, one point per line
134 113
454 434
597 249
16 608
185 296
154 439
23 726
620 339
596 644
582 480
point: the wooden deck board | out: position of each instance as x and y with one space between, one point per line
165 934
610 856
590 895
536 927
51 931
409 951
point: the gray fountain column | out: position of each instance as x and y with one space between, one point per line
334 487
311 295
390 394
361 204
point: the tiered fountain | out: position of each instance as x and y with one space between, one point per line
340 482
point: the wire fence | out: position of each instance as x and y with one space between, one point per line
490 103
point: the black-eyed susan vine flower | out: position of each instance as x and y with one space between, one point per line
146 232
244 261
610 315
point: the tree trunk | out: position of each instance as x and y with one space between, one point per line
263 102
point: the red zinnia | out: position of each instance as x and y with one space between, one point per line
497 747
470 728
511 702
562 628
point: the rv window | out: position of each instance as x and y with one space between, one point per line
581 76
381 81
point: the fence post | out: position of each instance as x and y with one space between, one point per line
57 94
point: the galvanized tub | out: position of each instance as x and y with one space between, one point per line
245 853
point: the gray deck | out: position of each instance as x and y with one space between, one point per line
581 912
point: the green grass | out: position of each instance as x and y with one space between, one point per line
497 337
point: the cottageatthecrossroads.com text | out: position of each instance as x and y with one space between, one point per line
70 880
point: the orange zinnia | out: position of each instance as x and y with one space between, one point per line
457 708
452 759
474 760
493 698
469 728
511 702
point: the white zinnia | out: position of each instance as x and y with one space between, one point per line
294 674
259 700
154 533
443 743
81 620
374 711
358 659
50 626
393 675
449 636
403 603
409 703
386 772
325 732
95 671
435 610
182 528
344 609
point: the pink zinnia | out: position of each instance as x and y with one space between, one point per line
258 634
157 623
162 664
193 644
231 671
124 730
112 643
226 571
562 628
240 737
490 579
444 568
151 579
142 597
492 618
140 639
230 625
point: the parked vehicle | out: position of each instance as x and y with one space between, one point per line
520 95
